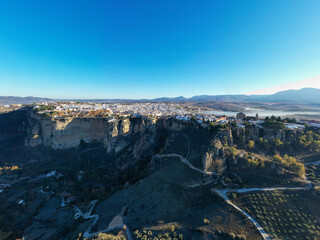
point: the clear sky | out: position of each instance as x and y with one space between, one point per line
147 49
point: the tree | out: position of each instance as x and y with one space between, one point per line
206 221
277 143
250 144
252 163
233 151
290 163
316 146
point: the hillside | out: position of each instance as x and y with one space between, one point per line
7 100
302 96
305 95
79 177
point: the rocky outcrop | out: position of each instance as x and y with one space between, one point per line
225 136
214 159
245 134
170 124
63 133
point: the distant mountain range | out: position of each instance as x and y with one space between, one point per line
7 100
304 95
301 96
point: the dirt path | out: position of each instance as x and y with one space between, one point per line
118 219
264 235
116 223
185 161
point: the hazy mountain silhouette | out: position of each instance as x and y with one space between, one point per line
304 95
6 100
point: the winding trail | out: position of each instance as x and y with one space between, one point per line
44 192
264 235
89 215
185 161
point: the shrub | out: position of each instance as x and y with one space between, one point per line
250 144
290 163
206 221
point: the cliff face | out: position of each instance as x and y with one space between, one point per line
140 137
256 133
67 132
214 158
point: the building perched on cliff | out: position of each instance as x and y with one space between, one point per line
241 115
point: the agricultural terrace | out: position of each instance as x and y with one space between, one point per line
282 214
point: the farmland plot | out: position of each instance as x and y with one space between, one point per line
282 214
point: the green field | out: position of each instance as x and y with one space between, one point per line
254 179
282 214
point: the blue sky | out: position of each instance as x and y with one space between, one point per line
147 49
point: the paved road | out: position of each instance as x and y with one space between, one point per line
223 192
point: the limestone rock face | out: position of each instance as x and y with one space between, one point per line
272 134
34 141
269 134
214 159
170 124
63 133
225 136
125 127
67 132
